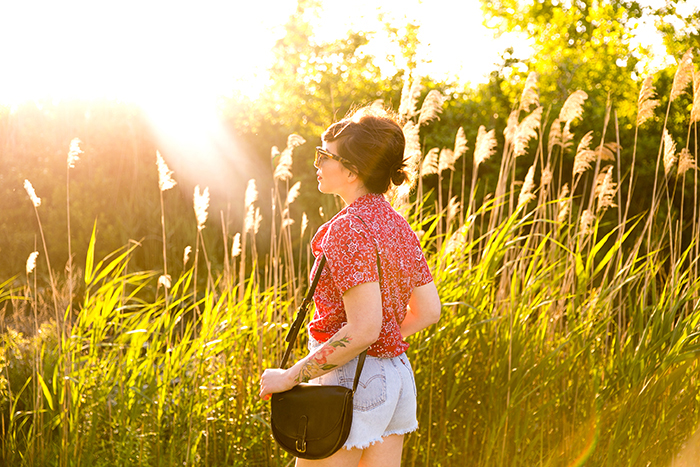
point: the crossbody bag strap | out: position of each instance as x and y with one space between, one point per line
299 321
304 309
301 313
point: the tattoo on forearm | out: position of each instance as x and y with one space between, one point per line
318 362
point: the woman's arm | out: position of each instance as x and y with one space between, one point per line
423 309
363 309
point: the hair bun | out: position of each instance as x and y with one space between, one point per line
398 174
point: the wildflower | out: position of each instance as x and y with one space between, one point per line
74 152
485 145
201 204
31 261
32 194
186 255
165 175
236 247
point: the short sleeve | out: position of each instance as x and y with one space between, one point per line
423 274
351 254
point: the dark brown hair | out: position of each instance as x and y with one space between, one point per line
373 141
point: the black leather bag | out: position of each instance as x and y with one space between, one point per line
312 421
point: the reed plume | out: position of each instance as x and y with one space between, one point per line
684 75
236 247
432 106
525 131
670 157
685 162
74 152
511 126
251 196
646 102
186 255
586 223
564 204
453 207
165 175
695 112
283 171
530 95
412 152
293 193
546 177
304 223
555 136
164 281
526 193
201 205
31 262
36 201
430 162
410 94
605 189
567 137
485 145
573 107
446 160
584 155
460 144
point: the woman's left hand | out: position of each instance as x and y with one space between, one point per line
275 380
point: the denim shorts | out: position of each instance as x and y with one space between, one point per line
385 399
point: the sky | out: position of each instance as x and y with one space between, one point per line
148 51
154 52
135 50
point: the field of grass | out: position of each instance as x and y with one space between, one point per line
569 333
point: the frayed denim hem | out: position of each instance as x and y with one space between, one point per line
381 438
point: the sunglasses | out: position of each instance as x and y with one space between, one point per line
322 154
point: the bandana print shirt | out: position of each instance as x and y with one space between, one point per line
350 241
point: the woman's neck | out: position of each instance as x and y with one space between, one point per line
352 195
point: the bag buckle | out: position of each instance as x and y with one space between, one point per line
301 437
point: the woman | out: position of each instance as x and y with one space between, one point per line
375 290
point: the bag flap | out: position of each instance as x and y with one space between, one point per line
324 406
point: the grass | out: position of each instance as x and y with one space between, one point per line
569 334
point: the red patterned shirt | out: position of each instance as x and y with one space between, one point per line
350 242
